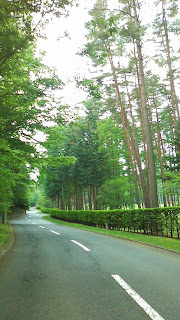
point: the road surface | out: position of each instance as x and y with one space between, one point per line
54 272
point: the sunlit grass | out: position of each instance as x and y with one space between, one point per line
173 244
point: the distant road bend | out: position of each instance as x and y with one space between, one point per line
54 272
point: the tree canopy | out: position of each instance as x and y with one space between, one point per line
124 150
26 87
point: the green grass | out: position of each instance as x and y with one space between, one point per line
4 234
173 244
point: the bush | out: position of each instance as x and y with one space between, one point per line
155 221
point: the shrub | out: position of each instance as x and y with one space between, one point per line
155 221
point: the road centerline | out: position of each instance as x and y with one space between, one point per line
137 298
55 232
81 245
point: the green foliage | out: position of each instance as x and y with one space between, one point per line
4 234
91 87
157 221
34 196
26 86
117 193
102 175
111 35
57 162
74 161
21 196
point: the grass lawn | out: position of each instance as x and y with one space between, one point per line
173 244
4 234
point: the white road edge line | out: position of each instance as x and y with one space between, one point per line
41 227
55 232
79 244
137 298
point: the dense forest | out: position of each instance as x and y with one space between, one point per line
26 98
124 151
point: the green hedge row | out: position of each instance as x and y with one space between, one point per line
156 221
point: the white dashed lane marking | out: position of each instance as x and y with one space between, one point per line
55 232
80 245
137 298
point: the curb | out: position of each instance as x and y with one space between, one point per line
109 235
6 246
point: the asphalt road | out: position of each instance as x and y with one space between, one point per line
47 276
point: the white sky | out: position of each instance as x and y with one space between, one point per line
61 52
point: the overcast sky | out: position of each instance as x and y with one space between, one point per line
61 52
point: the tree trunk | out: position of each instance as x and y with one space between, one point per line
175 107
160 154
81 202
94 198
127 130
97 202
150 153
58 201
133 169
69 200
76 197
85 203
62 203
178 200
89 189
141 119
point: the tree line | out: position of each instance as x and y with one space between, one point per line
26 87
124 151
127 146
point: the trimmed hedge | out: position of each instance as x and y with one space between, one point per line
155 221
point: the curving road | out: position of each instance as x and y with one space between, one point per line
60 273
